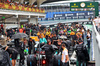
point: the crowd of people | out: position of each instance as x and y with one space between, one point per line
18 4
15 3
74 33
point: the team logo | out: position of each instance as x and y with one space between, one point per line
82 5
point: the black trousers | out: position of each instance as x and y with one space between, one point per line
65 64
22 58
49 61
30 49
84 63
88 42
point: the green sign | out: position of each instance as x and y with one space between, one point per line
85 6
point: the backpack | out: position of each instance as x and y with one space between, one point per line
4 58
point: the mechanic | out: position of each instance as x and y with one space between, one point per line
55 39
6 57
30 45
42 41
21 52
59 46
12 53
81 56
49 53
65 57
88 38
56 30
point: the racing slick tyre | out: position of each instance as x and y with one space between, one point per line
57 60
31 60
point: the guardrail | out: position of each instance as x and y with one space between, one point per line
20 8
96 43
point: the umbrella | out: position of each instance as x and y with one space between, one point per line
62 37
42 27
19 35
53 46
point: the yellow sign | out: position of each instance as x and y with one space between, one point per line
25 9
14 7
90 5
29 9
6 6
74 4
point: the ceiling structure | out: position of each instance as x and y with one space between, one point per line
39 2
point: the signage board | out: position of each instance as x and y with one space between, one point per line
85 6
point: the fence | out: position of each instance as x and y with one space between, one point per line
96 42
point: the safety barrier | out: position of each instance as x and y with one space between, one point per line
20 8
96 43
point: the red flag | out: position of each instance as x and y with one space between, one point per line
23 8
0 5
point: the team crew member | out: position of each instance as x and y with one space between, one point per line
65 57
43 40
21 52
49 52
88 38
30 45
82 54
55 39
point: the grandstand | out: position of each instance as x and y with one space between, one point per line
16 12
